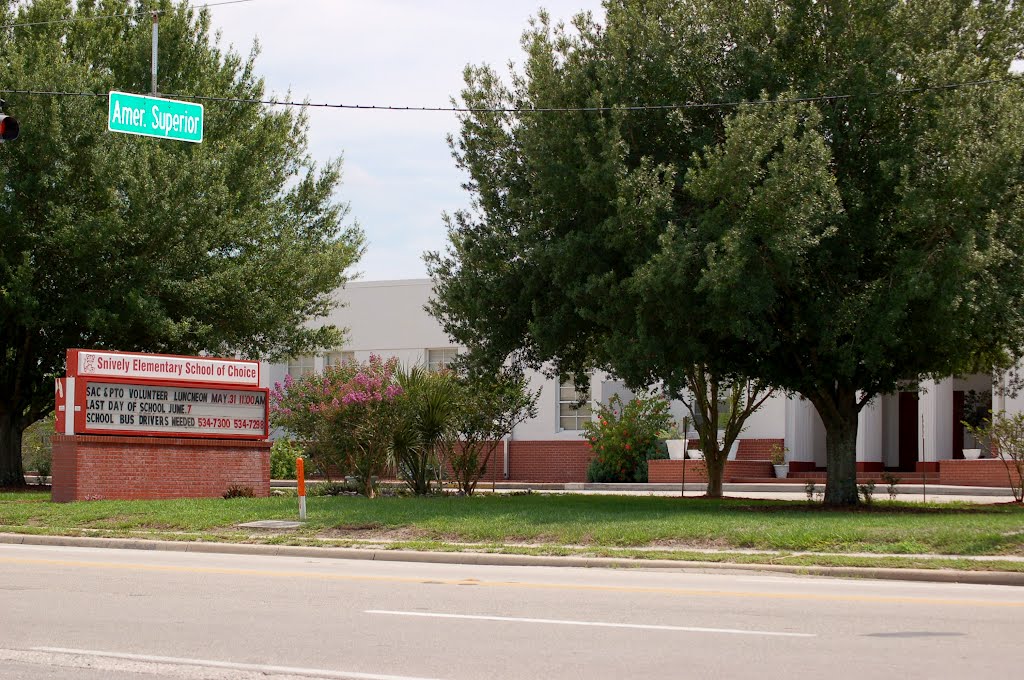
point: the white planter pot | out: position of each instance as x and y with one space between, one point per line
781 471
733 450
972 454
676 448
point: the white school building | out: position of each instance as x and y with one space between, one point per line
912 435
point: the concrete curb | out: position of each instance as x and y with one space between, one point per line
998 578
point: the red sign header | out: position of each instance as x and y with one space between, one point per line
133 366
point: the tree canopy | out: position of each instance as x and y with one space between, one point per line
830 199
132 243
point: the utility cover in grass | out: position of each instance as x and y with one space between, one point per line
272 524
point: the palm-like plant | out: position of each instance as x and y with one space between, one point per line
425 426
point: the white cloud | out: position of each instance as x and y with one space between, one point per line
399 175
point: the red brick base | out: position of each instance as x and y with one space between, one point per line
88 467
547 461
985 472
671 471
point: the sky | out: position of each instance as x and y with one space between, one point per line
399 176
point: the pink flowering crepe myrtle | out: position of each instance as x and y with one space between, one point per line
300 405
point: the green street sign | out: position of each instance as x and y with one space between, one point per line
136 114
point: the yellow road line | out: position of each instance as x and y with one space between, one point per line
682 592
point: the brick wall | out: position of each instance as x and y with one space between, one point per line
562 461
986 472
89 467
671 471
757 449
547 461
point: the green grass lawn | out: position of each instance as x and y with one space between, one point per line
552 523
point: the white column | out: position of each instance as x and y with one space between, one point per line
805 433
1002 399
869 432
935 407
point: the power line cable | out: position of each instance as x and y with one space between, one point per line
555 109
86 17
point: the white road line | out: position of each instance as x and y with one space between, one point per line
599 624
228 665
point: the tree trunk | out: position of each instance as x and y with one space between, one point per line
366 480
11 472
715 466
840 419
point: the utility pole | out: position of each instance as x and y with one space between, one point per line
156 31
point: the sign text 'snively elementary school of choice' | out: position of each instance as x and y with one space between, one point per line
161 395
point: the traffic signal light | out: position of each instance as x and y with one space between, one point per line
9 127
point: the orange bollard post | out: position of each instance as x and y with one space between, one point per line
300 478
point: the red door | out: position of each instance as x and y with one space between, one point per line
958 427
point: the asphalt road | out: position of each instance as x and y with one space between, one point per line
120 614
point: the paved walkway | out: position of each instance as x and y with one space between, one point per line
933 493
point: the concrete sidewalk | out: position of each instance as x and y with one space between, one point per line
905 492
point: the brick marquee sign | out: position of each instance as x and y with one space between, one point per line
111 403
161 396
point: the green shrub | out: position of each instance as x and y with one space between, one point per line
42 462
36 449
625 437
282 458
867 492
330 489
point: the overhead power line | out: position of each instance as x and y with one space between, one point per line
87 17
552 109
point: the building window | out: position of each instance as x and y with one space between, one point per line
438 359
571 413
339 358
300 366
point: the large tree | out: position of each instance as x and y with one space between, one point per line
858 225
131 243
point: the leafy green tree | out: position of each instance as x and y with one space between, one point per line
828 247
490 403
131 243
741 399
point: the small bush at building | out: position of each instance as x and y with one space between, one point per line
625 437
